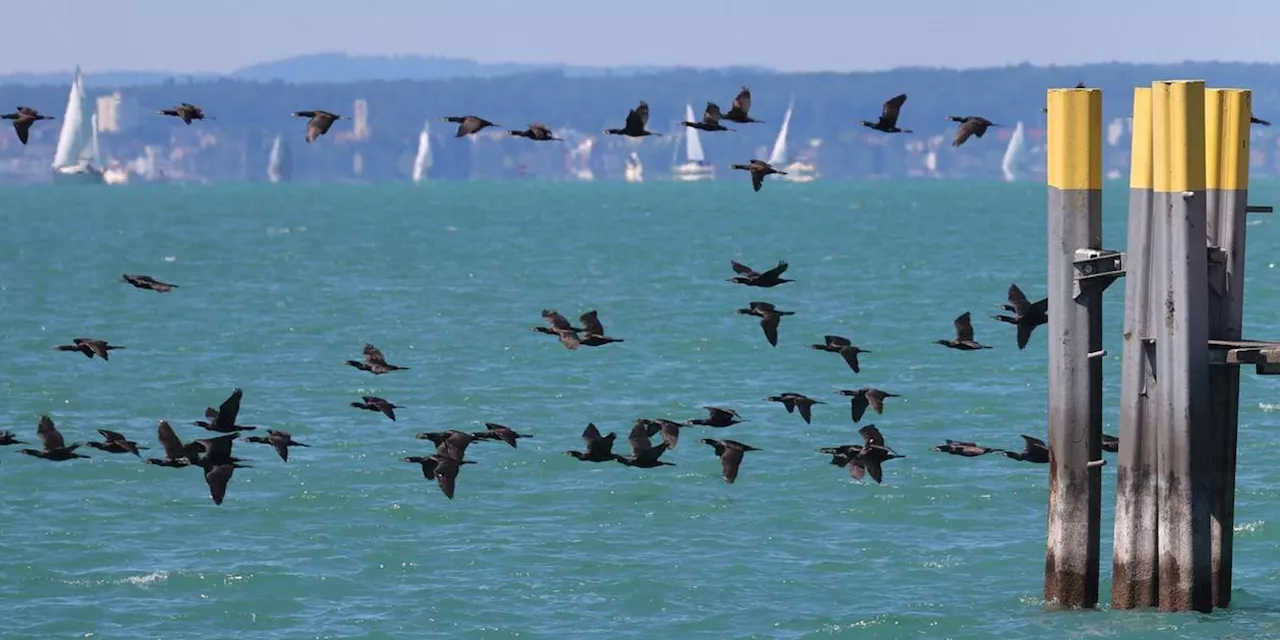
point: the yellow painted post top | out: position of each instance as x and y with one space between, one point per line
1177 126
1140 152
1075 138
1226 138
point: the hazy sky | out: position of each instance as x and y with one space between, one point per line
790 35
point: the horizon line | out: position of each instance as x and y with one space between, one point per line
652 69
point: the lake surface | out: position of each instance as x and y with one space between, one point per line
279 284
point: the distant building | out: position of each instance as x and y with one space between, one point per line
117 113
360 120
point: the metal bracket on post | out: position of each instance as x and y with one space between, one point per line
1258 208
1096 269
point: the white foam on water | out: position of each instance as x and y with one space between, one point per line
1252 526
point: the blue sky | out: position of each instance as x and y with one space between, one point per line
221 35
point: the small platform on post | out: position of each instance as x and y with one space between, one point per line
1265 356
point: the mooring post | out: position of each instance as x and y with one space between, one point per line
1227 182
1182 339
1075 331
1135 554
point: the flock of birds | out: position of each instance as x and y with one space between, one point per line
214 454
319 123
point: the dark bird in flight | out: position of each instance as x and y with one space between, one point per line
374 362
210 413
644 454
223 419
187 112
501 432
888 121
966 449
710 120
113 442
7 438
793 401
730 454
964 335
593 332
970 126
560 328
865 397
599 448
281 440
214 456
864 459
1026 316
752 278
637 120
1035 451
22 119
147 282
759 169
319 123
670 430
1253 120
175 453
535 132
1110 443
90 347
769 316
452 443
54 447
374 403
442 468
842 346
719 418
468 125
741 106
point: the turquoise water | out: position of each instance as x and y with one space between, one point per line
280 284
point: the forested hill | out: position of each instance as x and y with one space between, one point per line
341 67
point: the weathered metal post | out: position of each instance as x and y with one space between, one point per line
1227 114
1075 331
1182 339
1135 556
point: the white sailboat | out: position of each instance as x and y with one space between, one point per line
695 166
635 170
422 161
1014 154
798 171
280 162
76 160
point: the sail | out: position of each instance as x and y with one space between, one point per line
692 144
1013 154
779 154
280 162
95 155
422 161
75 139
